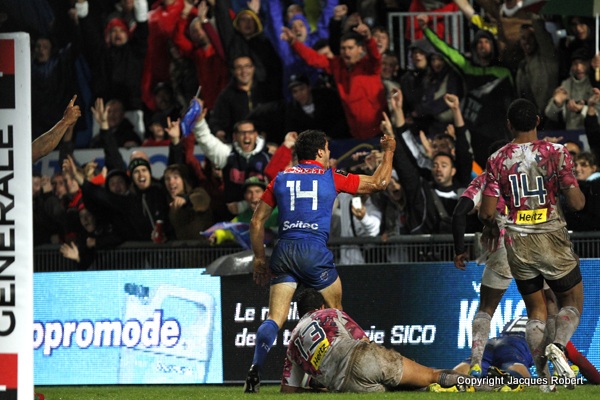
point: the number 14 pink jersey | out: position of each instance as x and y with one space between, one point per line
529 177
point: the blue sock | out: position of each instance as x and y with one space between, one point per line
265 336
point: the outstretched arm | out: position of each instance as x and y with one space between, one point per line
49 140
383 174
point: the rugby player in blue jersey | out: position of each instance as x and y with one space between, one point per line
304 195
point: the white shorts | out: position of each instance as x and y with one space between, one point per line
494 280
498 262
549 254
373 368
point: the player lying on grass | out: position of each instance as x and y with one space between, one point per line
335 353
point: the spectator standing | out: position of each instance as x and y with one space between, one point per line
490 88
203 46
117 57
314 109
161 26
588 177
430 202
412 82
441 80
247 156
298 24
52 77
358 220
357 74
133 213
568 104
112 118
539 69
245 37
239 98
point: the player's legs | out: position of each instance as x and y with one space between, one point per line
533 296
374 368
571 306
567 321
493 286
280 296
333 294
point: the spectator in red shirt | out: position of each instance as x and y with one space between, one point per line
204 48
357 75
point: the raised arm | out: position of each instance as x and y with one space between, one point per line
383 174
50 139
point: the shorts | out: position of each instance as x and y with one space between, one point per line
505 351
497 261
302 261
494 280
373 368
549 254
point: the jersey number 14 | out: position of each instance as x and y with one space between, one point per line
297 193
523 189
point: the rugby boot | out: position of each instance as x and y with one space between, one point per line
252 384
475 371
560 363
437 388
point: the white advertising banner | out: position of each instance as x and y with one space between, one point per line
16 223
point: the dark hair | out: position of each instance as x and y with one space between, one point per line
497 145
309 299
443 154
236 126
232 63
441 136
587 156
380 28
183 172
309 143
390 53
357 37
522 115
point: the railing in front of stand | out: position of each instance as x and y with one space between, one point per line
190 254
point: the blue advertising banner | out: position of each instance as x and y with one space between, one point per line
179 326
127 327
422 310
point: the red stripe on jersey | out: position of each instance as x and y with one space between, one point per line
346 183
268 196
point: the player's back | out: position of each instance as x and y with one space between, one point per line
305 195
322 342
529 177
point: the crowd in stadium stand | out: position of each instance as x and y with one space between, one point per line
273 67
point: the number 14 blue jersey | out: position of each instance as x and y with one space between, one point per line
304 195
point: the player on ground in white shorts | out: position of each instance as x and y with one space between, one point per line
336 354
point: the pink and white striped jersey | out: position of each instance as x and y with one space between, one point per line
529 177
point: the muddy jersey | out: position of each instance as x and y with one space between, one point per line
320 346
529 177
304 195
497 260
475 192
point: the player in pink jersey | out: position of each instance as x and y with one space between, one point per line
335 352
530 174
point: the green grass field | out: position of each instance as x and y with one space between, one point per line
271 391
